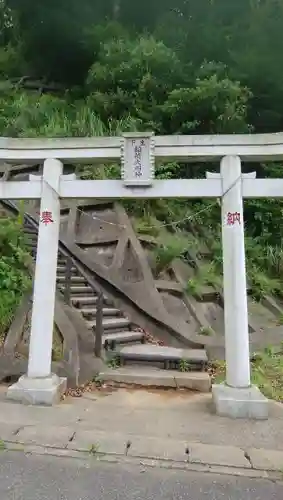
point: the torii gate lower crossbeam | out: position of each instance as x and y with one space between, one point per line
235 398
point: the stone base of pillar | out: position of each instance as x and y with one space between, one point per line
38 391
239 403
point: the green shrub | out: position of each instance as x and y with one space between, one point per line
14 276
167 252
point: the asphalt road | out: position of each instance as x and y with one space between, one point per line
36 477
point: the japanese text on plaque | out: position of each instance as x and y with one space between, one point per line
138 148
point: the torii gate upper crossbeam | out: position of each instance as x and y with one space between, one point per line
250 147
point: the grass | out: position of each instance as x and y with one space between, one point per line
261 283
147 224
94 449
170 247
170 244
114 362
98 380
266 372
163 258
264 263
206 330
206 275
263 268
184 365
195 288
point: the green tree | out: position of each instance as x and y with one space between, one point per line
212 105
133 77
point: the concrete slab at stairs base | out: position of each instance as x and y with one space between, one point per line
154 377
38 391
239 403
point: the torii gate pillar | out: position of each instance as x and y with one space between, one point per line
237 398
40 386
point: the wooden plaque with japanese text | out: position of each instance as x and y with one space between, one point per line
138 159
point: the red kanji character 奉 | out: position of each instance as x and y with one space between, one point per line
46 217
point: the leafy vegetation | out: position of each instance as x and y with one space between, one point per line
206 275
266 371
168 248
184 365
14 276
94 449
147 225
206 330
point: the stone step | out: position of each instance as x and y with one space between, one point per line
84 301
61 262
110 323
74 279
89 301
190 358
107 311
154 377
121 338
62 269
80 289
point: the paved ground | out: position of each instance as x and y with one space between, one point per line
44 478
168 427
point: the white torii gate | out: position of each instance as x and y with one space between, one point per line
137 152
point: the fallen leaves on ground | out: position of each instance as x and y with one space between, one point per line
96 384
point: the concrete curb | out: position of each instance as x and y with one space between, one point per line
151 452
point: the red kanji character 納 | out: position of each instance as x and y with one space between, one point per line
230 221
237 217
46 217
232 218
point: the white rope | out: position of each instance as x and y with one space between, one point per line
187 218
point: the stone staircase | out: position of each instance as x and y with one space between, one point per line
130 354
